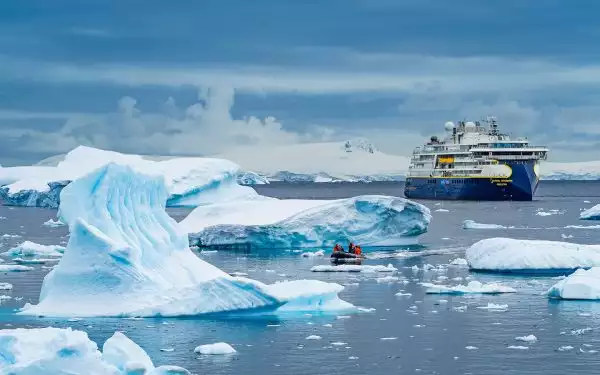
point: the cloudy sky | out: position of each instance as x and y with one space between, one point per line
201 77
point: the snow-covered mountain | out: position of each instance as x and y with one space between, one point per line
588 170
353 160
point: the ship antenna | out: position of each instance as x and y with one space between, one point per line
493 125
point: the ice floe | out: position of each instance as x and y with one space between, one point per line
319 253
127 257
493 307
470 224
30 249
218 348
53 223
459 262
512 255
528 338
371 220
541 212
6 286
56 351
14 268
473 287
354 268
591 213
518 347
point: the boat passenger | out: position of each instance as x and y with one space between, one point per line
351 248
337 248
357 250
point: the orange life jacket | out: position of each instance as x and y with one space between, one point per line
357 250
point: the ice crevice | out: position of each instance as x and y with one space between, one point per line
127 257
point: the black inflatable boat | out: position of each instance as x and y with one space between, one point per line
343 257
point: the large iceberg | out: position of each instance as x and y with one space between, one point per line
591 213
190 181
581 284
370 220
512 255
56 351
127 257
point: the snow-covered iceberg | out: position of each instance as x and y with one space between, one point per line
581 284
512 255
191 181
127 257
250 178
591 213
370 220
57 351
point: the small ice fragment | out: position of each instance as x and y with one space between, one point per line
388 338
314 337
217 348
5 286
442 210
387 279
493 307
319 253
339 343
471 347
238 274
366 309
518 347
328 325
528 338
459 262
565 348
167 349
400 294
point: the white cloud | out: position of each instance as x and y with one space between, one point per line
203 128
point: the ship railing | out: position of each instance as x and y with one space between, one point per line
516 157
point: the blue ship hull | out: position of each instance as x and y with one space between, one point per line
520 186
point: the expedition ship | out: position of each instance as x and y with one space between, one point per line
475 162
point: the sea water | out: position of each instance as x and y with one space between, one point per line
407 333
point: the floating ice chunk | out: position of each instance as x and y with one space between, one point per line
518 347
442 210
353 268
314 337
10 236
541 212
401 294
506 254
493 307
471 347
14 268
459 262
53 223
6 286
528 338
370 220
470 224
213 349
565 348
35 260
388 338
339 343
127 257
591 213
566 236
580 285
473 287
167 349
319 253
56 351
29 249
460 308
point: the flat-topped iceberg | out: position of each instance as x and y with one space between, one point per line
190 180
512 255
127 257
591 213
370 220
580 285
57 351
473 287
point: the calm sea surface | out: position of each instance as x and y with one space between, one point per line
417 333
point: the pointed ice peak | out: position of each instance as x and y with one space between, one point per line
359 144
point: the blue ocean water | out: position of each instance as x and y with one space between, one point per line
417 333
